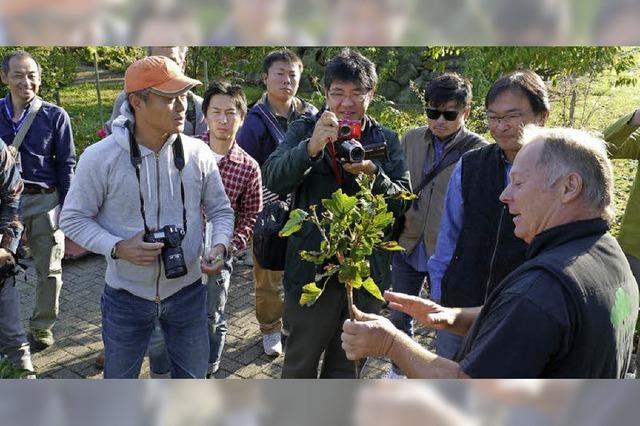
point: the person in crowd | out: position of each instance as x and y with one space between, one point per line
476 246
40 136
225 108
195 123
306 164
13 339
568 311
623 142
431 153
138 200
261 133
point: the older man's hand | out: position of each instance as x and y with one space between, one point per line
425 311
368 335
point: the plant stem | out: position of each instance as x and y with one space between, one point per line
352 317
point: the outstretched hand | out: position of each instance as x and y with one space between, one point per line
425 311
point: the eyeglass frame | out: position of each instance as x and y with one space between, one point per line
509 118
340 98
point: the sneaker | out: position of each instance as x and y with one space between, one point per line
40 340
212 369
272 344
394 374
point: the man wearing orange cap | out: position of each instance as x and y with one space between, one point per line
137 200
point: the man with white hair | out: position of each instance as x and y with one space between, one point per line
568 312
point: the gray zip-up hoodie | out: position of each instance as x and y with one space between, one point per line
103 206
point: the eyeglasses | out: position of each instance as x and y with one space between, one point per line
434 114
511 118
341 97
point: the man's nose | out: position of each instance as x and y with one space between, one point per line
505 195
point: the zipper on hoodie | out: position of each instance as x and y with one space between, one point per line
157 154
495 251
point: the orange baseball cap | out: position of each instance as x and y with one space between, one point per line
159 74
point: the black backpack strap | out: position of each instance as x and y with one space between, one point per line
450 158
191 111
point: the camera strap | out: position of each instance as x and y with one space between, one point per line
136 162
334 163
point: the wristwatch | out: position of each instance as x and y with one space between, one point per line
113 251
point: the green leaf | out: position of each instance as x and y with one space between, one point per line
391 246
357 282
347 273
404 196
382 220
340 204
310 293
294 223
372 288
312 256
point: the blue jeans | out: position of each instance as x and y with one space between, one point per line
406 280
217 293
128 322
447 344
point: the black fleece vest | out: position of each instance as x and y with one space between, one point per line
597 281
487 250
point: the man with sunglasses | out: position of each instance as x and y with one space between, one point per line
306 164
476 246
431 153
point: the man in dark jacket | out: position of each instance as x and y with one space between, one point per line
263 130
431 153
476 246
306 165
569 311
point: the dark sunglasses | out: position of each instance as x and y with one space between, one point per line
434 114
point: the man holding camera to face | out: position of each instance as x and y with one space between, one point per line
138 201
318 156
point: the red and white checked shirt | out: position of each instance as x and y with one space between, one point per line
242 182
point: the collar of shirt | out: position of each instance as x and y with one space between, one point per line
291 115
234 155
7 110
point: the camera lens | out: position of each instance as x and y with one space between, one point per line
344 130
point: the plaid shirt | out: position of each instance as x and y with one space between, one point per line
243 184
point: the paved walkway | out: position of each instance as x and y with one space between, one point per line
79 339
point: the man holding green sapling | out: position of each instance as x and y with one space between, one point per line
312 163
568 311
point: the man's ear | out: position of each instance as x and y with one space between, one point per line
542 119
466 111
264 79
571 187
3 76
134 101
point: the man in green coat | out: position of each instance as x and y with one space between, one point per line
623 139
306 164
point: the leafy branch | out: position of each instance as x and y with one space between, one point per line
351 227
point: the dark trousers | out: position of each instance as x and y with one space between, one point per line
317 329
